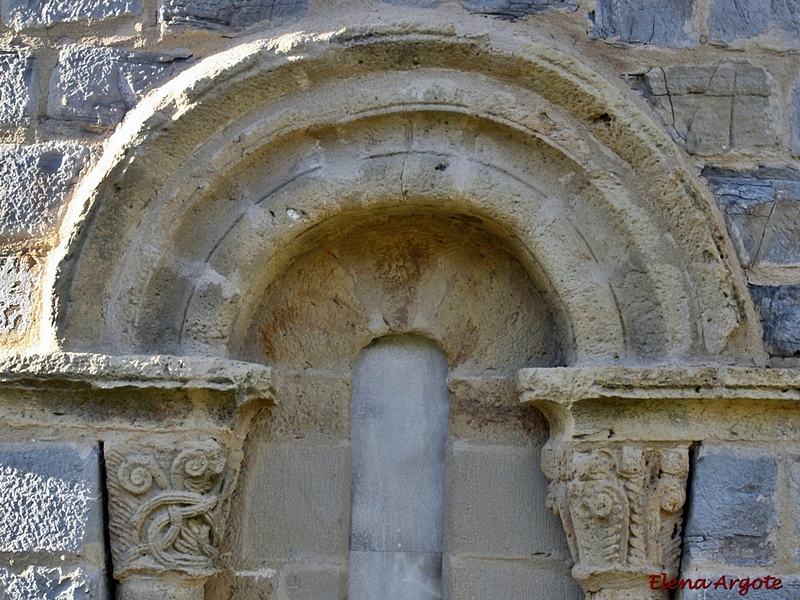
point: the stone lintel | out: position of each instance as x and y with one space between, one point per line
665 404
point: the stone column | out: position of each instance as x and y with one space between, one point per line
621 506
165 514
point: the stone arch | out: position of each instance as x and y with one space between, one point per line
206 191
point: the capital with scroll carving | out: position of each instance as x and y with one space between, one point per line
165 513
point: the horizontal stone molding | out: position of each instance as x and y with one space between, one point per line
665 403
247 381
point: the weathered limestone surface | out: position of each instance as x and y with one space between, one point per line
517 8
229 13
658 22
36 181
17 86
245 381
30 13
733 507
715 109
93 87
19 277
736 20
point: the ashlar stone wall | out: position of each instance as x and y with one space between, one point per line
718 79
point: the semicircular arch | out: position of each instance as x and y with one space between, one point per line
212 185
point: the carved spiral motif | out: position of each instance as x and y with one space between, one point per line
196 465
136 474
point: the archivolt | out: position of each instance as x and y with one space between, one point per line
213 184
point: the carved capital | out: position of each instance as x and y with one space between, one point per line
622 509
165 508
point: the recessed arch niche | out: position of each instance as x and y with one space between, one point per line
398 280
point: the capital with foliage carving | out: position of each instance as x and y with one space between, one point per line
622 509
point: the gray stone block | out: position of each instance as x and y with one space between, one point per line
731 20
731 509
789 590
496 504
17 86
94 87
399 431
406 575
658 22
30 13
715 109
500 580
313 584
52 583
300 504
36 181
215 14
794 496
516 8
779 308
761 209
50 498
794 140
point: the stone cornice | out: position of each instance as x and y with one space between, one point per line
618 404
245 381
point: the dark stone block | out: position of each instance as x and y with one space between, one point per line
17 86
36 180
789 590
52 583
30 13
732 510
658 22
779 307
762 209
516 8
50 497
215 14
731 20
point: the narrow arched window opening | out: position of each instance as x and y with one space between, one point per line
399 415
